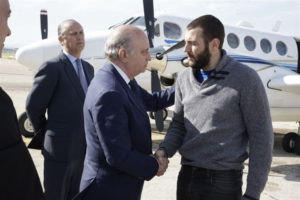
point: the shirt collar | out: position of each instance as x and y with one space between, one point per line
71 58
122 73
223 61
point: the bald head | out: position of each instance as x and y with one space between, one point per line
64 25
121 37
128 48
71 37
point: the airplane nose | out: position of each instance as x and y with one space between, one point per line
30 55
35 54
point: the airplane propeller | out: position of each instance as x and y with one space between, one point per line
172 48
155 83
44 23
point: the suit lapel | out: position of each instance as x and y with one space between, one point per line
135 99
129 92
69 69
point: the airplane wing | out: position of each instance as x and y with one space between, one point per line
288 83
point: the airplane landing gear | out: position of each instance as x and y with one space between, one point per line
25 126
165 114
297 145
291 142
288 142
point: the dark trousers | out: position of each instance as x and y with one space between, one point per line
203 184
62 179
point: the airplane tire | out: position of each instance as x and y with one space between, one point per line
151 115
165 114
25 125
297 145
289 141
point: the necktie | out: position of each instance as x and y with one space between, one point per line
134 88
81 75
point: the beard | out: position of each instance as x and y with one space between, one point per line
202 59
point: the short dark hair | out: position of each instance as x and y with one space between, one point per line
212 28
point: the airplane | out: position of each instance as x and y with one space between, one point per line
274 56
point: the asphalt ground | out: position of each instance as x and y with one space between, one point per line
284 177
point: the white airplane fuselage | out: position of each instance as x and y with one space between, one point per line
272 55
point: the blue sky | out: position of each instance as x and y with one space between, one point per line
100 14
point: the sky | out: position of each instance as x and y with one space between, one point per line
100 14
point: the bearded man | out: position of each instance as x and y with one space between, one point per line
220 107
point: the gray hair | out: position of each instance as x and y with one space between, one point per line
61 26
121 37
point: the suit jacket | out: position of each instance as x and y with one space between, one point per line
57 90
118 135
19 178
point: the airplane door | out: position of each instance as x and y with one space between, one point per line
298 47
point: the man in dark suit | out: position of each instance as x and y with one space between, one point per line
118 133
18 176
59 88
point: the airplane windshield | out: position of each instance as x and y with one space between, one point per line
134 21
139 21
121 23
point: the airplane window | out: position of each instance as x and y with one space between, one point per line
233 40
265 45
249 43
281 48
172 30
139 21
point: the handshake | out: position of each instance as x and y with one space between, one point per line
162 161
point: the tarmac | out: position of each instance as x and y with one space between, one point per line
284 177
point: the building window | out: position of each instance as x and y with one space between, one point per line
266 45
249 43
233 40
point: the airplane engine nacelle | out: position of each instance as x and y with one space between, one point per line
167 80
157 64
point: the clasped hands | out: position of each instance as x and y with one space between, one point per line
162 161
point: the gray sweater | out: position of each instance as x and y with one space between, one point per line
214 121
